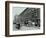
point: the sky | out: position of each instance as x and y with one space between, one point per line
17 11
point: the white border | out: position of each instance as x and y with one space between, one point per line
29 31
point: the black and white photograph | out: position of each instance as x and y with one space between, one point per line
24 18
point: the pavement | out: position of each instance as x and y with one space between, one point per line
23 27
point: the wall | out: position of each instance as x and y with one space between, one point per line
2 19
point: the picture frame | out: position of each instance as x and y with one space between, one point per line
14 8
